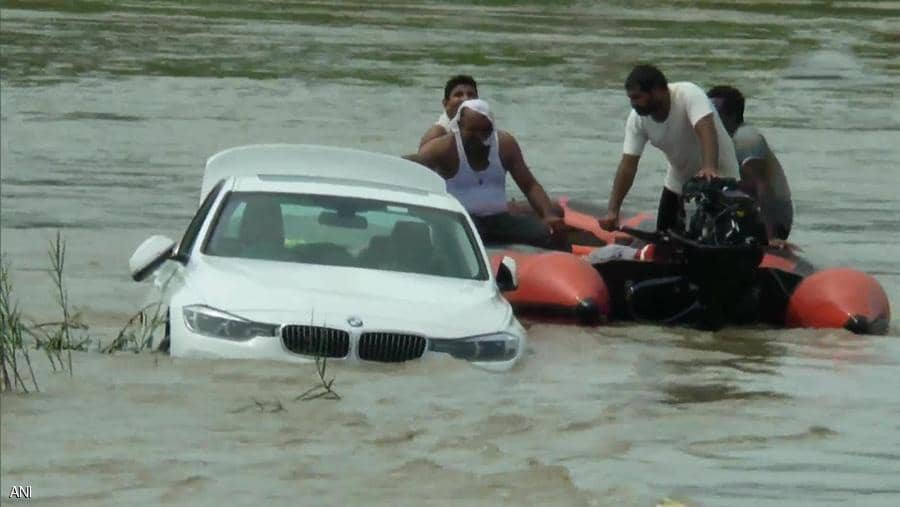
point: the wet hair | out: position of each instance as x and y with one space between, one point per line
646 78
732 101
455 81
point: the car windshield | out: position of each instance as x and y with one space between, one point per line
345 231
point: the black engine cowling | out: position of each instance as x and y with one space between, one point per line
719 213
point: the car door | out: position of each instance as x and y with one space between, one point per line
189 240
170 277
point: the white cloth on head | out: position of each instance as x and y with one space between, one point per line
676 136
481 107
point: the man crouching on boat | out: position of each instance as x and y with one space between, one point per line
761 173
474 159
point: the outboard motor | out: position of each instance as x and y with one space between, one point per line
718 213
722 247
710 276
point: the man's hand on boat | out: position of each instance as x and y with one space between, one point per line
555 223
708 173
610 222
780 244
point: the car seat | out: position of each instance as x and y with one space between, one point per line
262 230
378 254
411 244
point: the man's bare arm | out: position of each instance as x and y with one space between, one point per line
622 183
511 156
755 171
432 154
433 132
709 145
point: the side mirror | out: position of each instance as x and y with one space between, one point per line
149 256
507 279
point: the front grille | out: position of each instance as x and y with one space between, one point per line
316 341
390 347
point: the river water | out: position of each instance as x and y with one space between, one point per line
109 110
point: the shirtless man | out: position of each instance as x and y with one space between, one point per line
679 119
458 89
761 173
474 159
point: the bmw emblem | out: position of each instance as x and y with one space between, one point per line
355 321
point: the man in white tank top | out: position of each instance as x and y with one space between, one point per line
680 120
457 90
474 159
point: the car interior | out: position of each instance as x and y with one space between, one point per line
258 232
407 248
261 233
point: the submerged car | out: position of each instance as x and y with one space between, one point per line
300 251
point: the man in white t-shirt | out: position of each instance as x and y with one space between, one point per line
680 120
457 90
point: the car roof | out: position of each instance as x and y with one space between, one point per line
316 163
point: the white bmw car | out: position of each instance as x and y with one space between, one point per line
300 251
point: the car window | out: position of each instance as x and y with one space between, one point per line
346 231
193 228
233 226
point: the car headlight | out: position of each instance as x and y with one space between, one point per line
489 347
208 321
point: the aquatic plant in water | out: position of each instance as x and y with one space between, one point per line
137 333
52 337
55 337
323 389
12 331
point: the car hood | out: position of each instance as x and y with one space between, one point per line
292 293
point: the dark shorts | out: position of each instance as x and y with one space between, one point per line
521 229
670 214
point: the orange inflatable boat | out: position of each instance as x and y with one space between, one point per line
637 274
555 285
784 289
839 297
